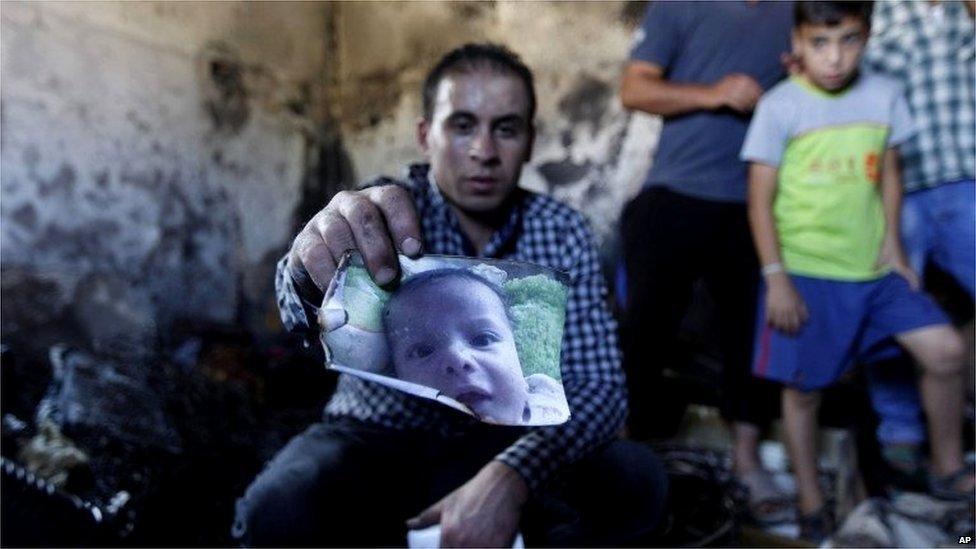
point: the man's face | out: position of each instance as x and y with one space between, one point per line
454 336
477 139
831 55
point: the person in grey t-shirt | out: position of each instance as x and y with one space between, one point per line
702 66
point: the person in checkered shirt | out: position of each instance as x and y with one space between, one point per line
382 461
929 48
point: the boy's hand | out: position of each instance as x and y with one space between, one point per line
785 309
892 255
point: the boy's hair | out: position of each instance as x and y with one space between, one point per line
830 14
470 57
426 278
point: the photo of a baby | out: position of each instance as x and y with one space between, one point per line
453 332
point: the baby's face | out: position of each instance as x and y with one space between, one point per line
454 336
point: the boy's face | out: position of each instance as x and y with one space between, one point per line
831 55
454 336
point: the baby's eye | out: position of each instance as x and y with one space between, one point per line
421 350
484 339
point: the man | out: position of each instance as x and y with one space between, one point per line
702 66
929 47
382 460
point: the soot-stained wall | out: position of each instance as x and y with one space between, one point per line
153 157
157 157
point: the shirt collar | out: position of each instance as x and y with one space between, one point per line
502 241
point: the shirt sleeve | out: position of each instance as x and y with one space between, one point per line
767 135
591 374
902 125
295 312
657 39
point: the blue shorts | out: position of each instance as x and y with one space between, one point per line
847 321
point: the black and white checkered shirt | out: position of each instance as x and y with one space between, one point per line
539 230
931 50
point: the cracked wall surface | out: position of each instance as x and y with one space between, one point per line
153 155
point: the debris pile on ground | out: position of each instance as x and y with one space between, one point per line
151 451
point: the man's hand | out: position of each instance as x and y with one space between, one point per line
484 512
739 92
893 255
785 309
376 221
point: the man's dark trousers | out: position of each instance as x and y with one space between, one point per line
670 241
345 483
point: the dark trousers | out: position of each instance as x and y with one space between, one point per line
344 483
670 241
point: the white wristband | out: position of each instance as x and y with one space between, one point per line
772 268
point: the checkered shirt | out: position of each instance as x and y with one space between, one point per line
933 54
539 230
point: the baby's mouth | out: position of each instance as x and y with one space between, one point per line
472 397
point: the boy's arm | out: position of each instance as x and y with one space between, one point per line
785 309
892 254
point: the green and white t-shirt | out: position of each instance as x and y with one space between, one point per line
828 148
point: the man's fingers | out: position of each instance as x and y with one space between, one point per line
337 235
401 217
372 237
320 266
314 255
427 517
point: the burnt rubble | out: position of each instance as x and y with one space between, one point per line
99 450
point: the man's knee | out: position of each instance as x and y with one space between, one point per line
286 503
276 506
639 486
944 353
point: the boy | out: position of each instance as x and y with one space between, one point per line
450 329
824 197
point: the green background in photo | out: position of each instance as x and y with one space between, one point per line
538 307
364 300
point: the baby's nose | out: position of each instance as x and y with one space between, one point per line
459 362
460 368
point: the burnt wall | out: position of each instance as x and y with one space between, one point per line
153 156
157 157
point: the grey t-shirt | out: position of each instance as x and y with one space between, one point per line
794 108
700 43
